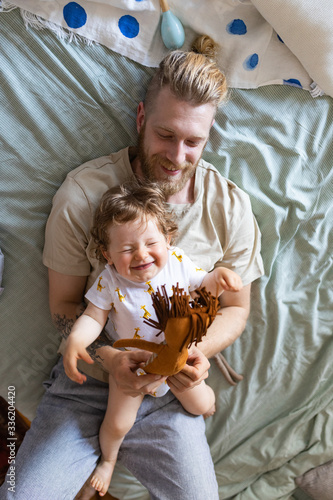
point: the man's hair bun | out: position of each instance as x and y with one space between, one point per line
206 46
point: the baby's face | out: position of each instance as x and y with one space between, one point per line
138 250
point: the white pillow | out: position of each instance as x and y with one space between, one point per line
305 27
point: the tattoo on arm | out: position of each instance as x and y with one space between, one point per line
64 325
101 341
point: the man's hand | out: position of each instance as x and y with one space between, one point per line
193 373
122 365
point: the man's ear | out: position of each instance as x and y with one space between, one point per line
212 122
140 116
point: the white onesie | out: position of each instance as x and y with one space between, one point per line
130 302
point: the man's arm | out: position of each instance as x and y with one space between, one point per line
225 329
66 300
66 305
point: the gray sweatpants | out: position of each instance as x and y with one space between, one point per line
166 449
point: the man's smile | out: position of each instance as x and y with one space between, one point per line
171 171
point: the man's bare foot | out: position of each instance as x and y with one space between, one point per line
101 477
210 412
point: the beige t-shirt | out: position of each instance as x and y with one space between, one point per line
218 229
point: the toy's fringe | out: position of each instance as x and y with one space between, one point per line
202 311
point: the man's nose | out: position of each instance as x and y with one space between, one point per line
176 153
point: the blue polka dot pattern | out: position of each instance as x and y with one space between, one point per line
74 15
239 35
251 62
293 82
129 26
237 27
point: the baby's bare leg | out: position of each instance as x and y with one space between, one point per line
119 419
200 400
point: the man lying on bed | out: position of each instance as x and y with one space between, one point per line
166 449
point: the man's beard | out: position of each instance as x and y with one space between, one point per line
148 167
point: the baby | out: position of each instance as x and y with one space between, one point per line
133 230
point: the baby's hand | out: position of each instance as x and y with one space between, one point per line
229 280
75 351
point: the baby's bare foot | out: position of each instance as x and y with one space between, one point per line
101 477
210 412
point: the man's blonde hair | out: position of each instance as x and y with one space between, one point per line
192 76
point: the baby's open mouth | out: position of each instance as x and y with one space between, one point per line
141 267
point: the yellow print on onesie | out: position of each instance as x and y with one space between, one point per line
120 296
150 288
179 257
146 313
99 284
136 334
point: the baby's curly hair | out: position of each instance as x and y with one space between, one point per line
135 200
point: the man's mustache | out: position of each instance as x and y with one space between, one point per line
169 165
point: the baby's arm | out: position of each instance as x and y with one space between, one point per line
86 329
222 279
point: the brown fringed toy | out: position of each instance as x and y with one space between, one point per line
184 321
